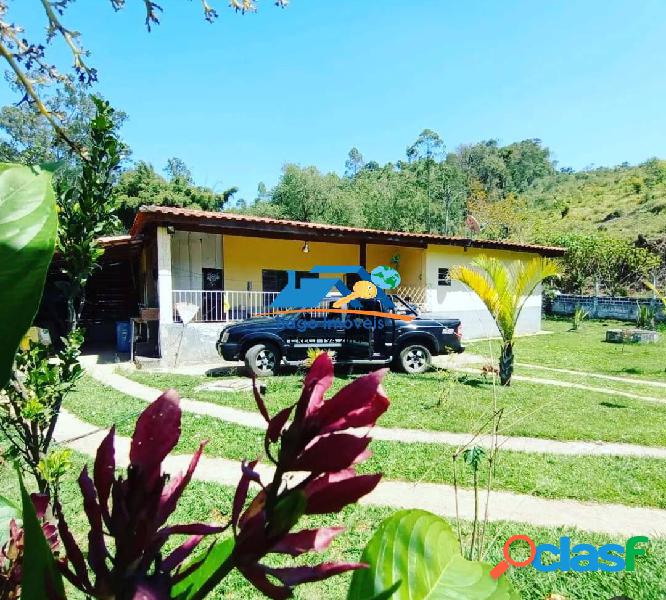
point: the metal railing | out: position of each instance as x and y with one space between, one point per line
227 305
412 293
236 305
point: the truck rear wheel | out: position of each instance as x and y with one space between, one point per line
262 360
415 359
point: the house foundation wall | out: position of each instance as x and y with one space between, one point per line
189 344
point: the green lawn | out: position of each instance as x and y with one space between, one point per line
586 350
210 502
633 481
434 401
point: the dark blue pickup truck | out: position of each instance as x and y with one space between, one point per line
266 342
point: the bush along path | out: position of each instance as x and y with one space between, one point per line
613 519
105 373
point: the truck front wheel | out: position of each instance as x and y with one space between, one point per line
415 359
262 360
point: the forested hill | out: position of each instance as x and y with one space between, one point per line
482 190
625 201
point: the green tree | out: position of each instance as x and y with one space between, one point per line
176 169
504 291
483 162
423 155
87 209
305 194
142 185
615 264
526 161
28 138
354 163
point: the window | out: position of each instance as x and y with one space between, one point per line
274 280
443 277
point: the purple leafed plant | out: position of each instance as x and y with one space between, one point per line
313 458
133 510
11 553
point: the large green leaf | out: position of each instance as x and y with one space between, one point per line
421 551
8 511
44 579
210 562
27 238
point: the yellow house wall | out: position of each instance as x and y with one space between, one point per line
411 263
245 257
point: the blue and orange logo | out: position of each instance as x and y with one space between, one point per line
579 557
310 292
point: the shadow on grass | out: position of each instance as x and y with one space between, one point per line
226 372
612 405
476 382
633 371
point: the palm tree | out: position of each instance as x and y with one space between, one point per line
504 291
657 293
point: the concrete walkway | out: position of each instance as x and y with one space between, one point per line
646 382
104 373
570 385
612 519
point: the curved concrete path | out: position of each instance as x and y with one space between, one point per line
570 385
612 519
646 382
105 373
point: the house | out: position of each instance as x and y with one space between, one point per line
232 266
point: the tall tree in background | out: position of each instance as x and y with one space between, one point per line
28 138
424 154
452 193
305 194
177 169
142 185
354 163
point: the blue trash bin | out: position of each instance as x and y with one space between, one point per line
123 336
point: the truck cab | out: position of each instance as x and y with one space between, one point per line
371 335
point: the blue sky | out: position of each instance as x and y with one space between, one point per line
239 98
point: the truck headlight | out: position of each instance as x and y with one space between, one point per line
225 336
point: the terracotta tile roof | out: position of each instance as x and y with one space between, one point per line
112 241
225 221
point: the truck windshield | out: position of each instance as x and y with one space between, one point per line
404 307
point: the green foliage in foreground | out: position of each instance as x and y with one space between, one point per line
27 239
208 502
445 575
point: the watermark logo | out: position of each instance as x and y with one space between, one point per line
309 292
579 558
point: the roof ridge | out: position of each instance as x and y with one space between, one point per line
146 212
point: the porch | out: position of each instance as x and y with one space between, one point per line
231 277
228 306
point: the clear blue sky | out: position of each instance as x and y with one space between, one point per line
239 98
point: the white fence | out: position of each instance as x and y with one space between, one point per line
234 305
225 305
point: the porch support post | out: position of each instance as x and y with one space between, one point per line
164 285
363 260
